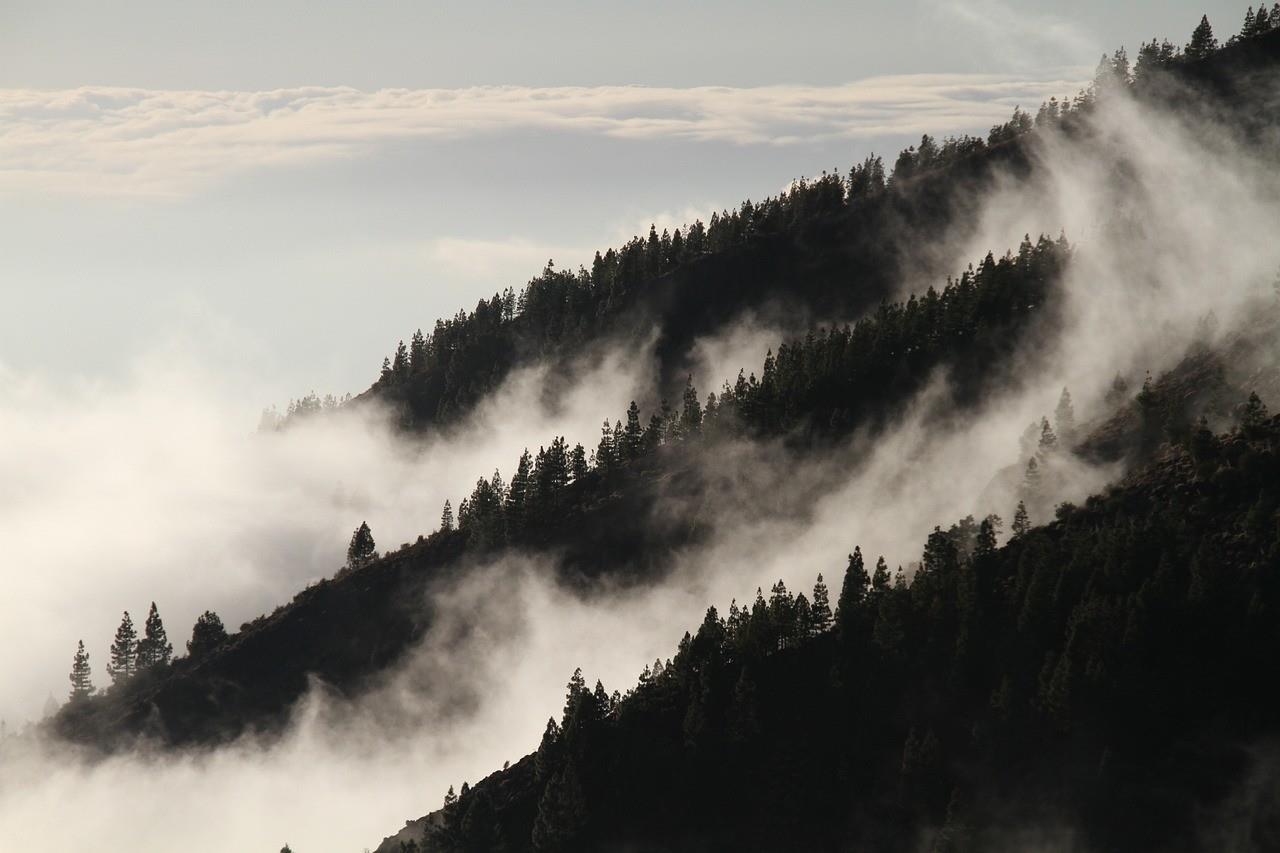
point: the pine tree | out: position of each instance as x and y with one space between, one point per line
446 516
656 430
1048 444
154 648
1253 414
417 352
606 453
361 551
782 612
633 437
821 606
207 634
547 760
1152 57
803 617
691 411
1202 42
555 476
520 493
853 591
124 651
400 363
1247 30
1118 392
619 442
986 542
1021 521
1120 67
880 577
576 688
81 677
578 463
1064 417
1262 23
1031 480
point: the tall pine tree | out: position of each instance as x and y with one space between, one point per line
154 647
633 436
1064 418
361 551
853 591
1202 42
821 606
124 652
81 677
1021 521
207 634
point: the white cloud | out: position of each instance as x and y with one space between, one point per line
120 141
157 490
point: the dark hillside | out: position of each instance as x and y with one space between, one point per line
797 260
826 250
609 515
613 516
1098 683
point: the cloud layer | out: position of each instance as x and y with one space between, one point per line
137 141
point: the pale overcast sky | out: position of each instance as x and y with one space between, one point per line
283 189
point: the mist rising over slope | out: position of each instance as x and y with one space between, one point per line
171 497
1135 298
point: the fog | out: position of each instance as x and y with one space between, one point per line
160 490
150 494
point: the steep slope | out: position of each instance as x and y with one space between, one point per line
807 256
1097 683
823 250
613 521
348 629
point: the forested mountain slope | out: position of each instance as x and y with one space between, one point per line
1099 683
827 249
823 250
597 513
607 517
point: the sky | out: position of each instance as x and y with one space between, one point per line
284 189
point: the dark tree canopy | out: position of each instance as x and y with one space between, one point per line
124 652
1064 674
154 648
362 550
1202 41
81 677
207 635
